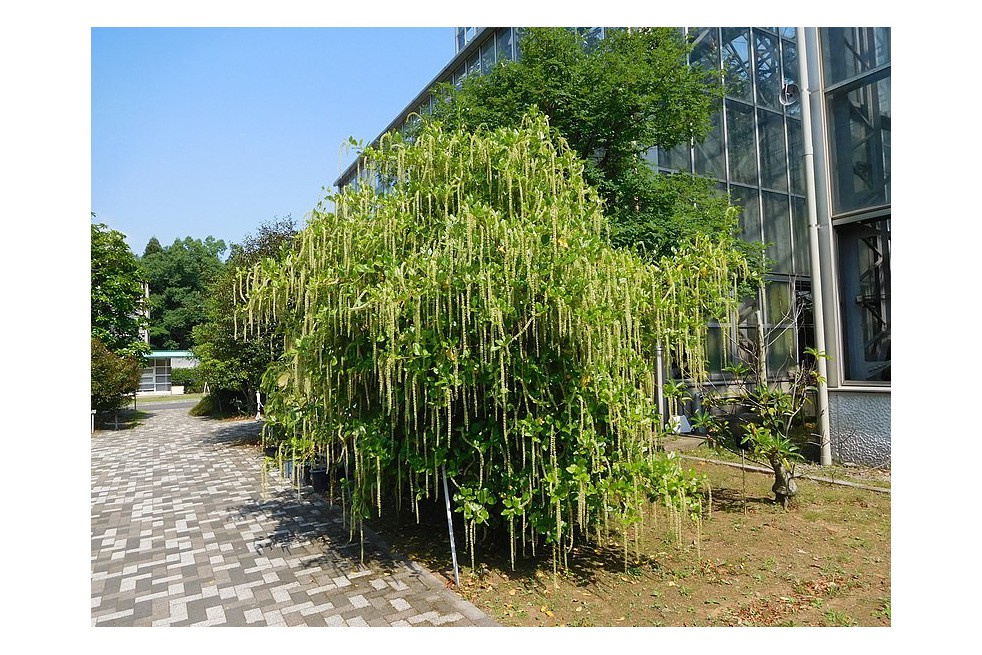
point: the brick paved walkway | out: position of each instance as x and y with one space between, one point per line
181 535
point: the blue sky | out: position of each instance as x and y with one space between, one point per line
210 131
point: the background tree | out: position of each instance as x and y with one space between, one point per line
232 364
118 303
179 276
613 102
117 317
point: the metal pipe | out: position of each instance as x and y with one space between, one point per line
808 46
660 383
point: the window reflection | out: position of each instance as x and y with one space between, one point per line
741 142
860 134
736 62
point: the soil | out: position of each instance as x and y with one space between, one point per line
823 562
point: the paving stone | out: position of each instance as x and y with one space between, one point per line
184 532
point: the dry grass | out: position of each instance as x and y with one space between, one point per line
824 562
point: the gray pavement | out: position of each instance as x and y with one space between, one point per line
184 534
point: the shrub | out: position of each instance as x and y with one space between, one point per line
473 321
114 377
189 378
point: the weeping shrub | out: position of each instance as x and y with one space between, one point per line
473 317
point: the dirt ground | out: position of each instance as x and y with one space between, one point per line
823 562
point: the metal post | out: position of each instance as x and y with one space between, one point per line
660 383
804 45
453 548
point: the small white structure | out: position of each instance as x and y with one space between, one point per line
156 376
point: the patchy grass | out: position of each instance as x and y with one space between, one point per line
152 400
824 562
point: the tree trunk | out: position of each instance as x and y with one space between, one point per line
784 485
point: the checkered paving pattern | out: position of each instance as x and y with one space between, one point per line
184 534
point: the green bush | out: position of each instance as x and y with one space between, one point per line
114 377
205 407
189 378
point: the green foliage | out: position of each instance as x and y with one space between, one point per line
204 407
473 318
613 103
117 293
189 378
179 276
232 364
114 377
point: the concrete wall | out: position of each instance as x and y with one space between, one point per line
859 423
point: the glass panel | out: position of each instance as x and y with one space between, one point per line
736 62
748 337
487 55
460 39
864 271
590 36
459 75
676 159
740 145
796 153
709 153
504 44
802 244
787 32
860 135
848 52
777 230
474 64
768 70
790 56
777 294
705 49
746 199
780 349
519 33
715 350
773 153
804 308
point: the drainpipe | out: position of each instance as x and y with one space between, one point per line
804 49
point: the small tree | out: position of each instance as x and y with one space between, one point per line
230 363
774 410
114 377
117 304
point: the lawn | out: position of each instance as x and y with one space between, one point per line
823 562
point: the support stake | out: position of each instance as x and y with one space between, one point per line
453 548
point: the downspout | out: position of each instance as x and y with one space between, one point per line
804 49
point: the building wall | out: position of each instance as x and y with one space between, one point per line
755 153
849 90
860 427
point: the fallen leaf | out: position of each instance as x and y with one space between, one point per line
549 613
511 592
671 583
579 609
